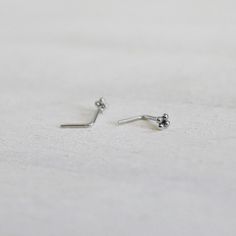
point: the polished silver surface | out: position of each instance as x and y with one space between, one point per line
162 121
101 106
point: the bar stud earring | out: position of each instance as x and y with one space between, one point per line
162 121
101 106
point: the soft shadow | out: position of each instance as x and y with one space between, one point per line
85 114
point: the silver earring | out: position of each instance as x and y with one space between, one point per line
162 121
101 106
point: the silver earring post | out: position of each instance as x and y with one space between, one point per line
162 121
101 106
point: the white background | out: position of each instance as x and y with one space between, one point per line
57 58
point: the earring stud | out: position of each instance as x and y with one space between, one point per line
162 121
101 106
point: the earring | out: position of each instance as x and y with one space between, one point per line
101 106
162 121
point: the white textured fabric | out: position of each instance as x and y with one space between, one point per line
57 58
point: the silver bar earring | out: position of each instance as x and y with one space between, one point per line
162 121
101 106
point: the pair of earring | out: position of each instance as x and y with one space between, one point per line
161 121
